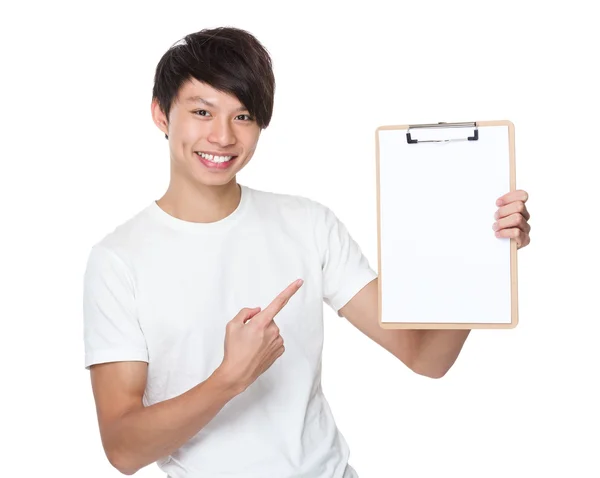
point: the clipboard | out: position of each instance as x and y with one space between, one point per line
440 264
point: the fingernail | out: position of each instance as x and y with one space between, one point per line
299 282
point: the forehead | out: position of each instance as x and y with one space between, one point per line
196 93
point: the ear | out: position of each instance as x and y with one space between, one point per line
159 117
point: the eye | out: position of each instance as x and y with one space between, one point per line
249 118
201 111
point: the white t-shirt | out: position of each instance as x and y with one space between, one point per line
161 290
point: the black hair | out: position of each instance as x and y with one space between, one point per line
227 58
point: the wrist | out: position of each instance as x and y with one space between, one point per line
228 381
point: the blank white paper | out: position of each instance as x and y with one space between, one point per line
440 259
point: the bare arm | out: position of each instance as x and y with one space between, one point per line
438 350
427 352
134 436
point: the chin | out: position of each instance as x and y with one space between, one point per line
214 179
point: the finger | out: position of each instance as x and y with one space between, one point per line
277 349
517 234
273 329
512 196
518 207
251 314
514 220
246 314
277 342
279 302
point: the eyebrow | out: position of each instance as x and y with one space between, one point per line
199 99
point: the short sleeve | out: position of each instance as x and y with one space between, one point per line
346 270
111 329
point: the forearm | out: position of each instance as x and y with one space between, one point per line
437 351
145 435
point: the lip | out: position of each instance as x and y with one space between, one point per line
216 166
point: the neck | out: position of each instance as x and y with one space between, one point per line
201 203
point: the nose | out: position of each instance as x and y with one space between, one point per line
221 133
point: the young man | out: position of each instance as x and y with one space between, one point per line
186 370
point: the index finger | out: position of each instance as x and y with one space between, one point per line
279 302
518 195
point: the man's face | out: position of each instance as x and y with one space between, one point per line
205 124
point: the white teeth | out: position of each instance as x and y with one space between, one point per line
214 159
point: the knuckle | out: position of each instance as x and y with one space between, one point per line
520 207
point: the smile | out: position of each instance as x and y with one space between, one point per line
214 158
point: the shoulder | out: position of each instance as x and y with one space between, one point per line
271 199
121 243
295 204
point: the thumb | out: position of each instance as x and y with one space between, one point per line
246 314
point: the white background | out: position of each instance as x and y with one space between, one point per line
80 154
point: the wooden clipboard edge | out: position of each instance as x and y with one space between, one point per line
513 243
